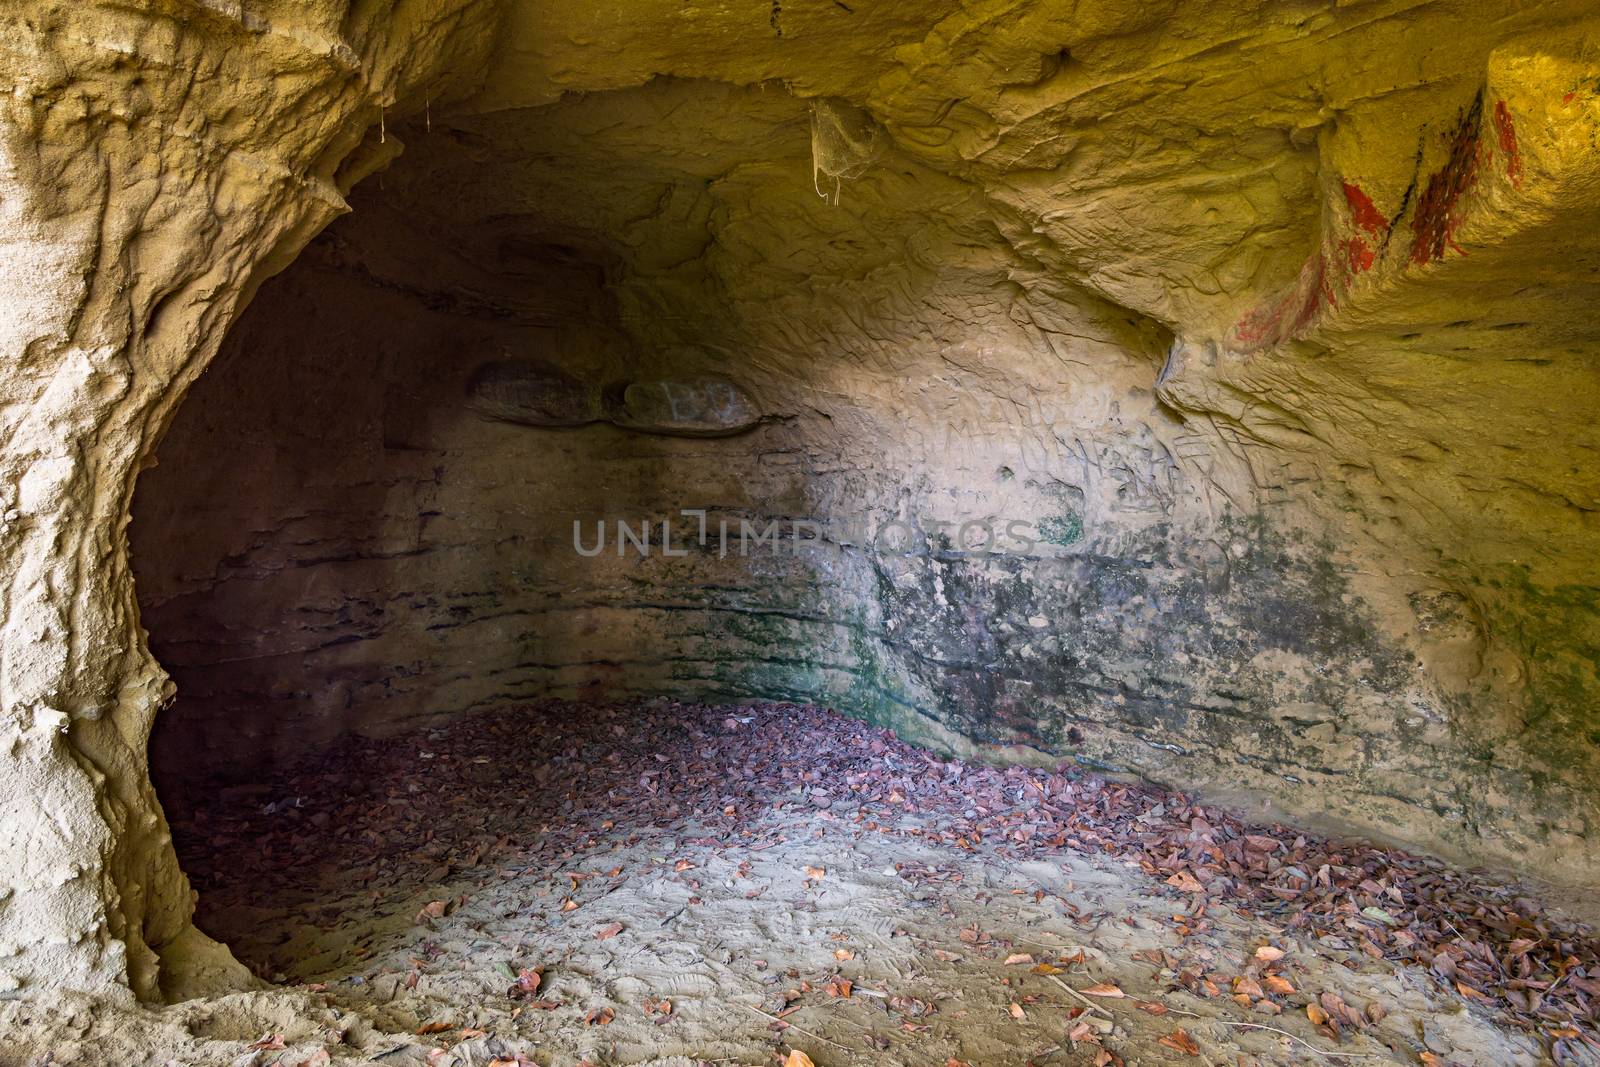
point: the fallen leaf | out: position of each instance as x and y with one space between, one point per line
911 1006
1186 882
600 1017
1103 989
527 983
1151 1006
269 1043
1046 968
610 930
1182 1042
843 955
433 909
1338 1010
1269 954
435 1028
1018 957
816 872
1016 1011
797 1058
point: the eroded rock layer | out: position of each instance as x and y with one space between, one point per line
1270 325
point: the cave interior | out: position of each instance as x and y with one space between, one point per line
898 535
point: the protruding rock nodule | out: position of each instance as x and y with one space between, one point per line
703 406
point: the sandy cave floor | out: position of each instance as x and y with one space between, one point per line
674 884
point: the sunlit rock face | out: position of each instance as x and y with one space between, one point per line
1270 327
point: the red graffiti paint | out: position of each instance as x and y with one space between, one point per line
1439 208
1265 325
1262 325
1324 289
1309 294
1363 212
1358 255
1508 142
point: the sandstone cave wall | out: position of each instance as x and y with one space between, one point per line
338 538
138 211
1367 228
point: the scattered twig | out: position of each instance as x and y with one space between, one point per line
1296 1040
1262 1026
1092 1005
798 1029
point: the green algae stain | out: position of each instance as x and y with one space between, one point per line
1064 529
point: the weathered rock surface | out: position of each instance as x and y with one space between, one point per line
533 394
140 209
1272 324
